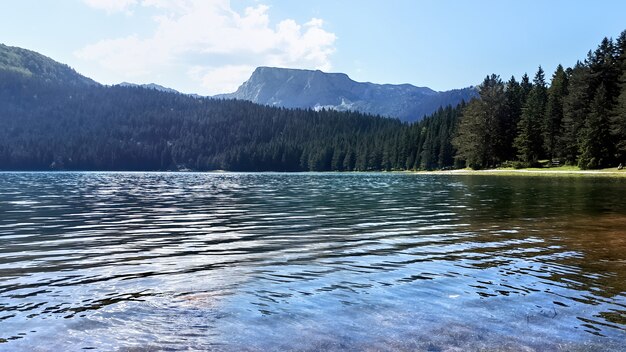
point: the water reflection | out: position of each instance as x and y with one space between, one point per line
145 261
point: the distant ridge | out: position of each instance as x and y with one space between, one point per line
295 88
154 86
30 63
157 87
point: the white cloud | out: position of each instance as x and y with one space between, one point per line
111 6
214 45
228 77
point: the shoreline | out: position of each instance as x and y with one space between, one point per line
613 172
530 172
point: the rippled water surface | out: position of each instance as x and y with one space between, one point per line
236 262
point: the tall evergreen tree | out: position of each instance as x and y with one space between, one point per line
604 69
618 120
470 137
478 134
526 87
595 152
447 130
528 142
554 112
514 101
575 110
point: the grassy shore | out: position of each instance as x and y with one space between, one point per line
561 171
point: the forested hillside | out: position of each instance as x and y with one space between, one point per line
32 64
52 126
53 118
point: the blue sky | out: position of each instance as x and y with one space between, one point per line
211 46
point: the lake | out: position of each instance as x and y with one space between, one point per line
329 261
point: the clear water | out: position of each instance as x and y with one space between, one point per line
255 262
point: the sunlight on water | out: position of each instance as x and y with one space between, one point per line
153 261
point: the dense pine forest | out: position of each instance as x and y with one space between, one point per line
47 123
129 128
578 119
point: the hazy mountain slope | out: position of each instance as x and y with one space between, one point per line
30 63
294 88
150 86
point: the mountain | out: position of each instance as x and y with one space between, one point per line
55 119
293 88
159 88
29 63
154 86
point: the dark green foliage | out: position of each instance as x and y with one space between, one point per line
30 63
52 126
526 86
604 70
618 125
515 99
618 118
470 138
434 134
480 138
604 91
595 152
528 142
575 110
580 118
554 113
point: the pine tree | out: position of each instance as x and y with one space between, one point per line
479 132
446 150
526 87
514 103
469 141
604 70
575 110
618 120
528 142
338 158
554 112
595 152
348 161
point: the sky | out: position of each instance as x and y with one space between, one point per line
212 46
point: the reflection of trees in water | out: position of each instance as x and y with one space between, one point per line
541 197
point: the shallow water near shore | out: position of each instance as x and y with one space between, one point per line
329 261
